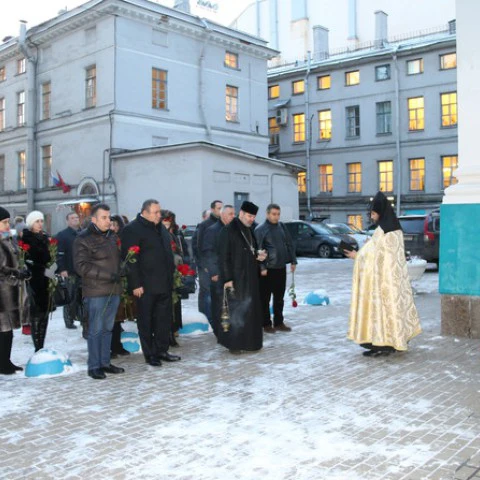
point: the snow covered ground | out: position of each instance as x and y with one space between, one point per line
308 406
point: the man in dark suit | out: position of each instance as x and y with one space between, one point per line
151 280
72 311
210 256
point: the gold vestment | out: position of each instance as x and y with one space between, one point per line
382 311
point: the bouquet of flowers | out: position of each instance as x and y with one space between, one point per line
23 249
291 292
182 270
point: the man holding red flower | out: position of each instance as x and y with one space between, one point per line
150 279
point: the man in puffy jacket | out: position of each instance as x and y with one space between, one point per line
273 237
97 261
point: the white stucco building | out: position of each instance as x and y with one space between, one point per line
114 76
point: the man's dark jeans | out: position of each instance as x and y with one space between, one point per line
204 297
273 284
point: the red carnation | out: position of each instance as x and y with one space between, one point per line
184 227
53 241
173 246
135 249
183 269
191 273
294 304
24 246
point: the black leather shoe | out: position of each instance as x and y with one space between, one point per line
97 374
71 327
153 361
113 369
16 367
167 357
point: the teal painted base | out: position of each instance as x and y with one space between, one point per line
460 249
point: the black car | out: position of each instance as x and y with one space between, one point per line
422 235
317 239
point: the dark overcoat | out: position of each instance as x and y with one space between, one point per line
9 288
37 259
154 267
238 264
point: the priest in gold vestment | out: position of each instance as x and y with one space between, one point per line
383 316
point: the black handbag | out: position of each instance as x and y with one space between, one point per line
61 295
189 285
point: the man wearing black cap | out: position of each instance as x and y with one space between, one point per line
240 271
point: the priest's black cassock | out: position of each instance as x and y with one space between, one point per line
238 264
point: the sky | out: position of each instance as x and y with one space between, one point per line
35 11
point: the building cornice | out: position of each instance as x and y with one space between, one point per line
145 11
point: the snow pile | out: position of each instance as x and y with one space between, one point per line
317 297
194 323
47 362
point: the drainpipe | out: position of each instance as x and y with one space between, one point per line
398 165
201 81
30 125
307 136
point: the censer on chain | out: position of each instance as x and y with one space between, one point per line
225 316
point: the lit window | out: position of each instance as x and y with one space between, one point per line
324 82
325 124
20 109
298 87
414 67
231 60
231 104
416 113
91 87
382 72
299 127
159 89
46 166
326 178
385 176
417 174
449 165
449 109
355 221
46 97
22 170
21 65
2 114
274 91
302 182
384 117
273 131
352 78
353 121
354 171
448 61
3 74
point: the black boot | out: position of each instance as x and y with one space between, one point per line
5 349
117 347
9 349
39 330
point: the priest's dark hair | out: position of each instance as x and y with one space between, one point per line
99 206
148 203
388 220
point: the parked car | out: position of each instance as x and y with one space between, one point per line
422 235
317 239
357 234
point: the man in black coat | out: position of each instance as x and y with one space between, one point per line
204 300
72 311
151 280
275 239
210 256
240 271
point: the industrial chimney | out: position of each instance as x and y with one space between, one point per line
381 29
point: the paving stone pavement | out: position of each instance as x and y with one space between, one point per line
308 406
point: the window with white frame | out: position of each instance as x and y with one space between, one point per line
273 131
385 176
417 174
415 67
20 109
298 87
231 60
302 182
231 103
91 86
2 114
384 117
449 109
274 91
46 98
416 113
353 121
355 220
449 165
22 170
159 89
46 166
325 124
382 72
298 127
21 66
354 175
326 178
324 82
3 74
352 78
448 61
